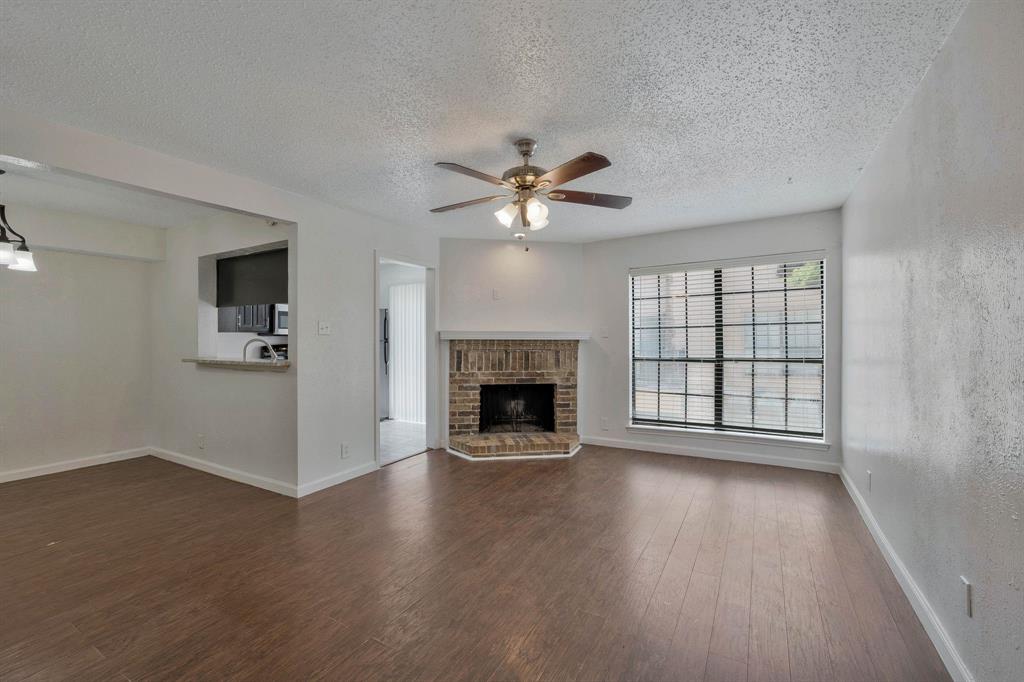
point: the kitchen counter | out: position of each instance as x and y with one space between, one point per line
245 365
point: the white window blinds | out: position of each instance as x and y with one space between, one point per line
735 347
407 377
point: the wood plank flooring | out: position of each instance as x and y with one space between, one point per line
613 565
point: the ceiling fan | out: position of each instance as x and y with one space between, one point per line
529 184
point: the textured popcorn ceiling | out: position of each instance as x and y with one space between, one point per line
709 111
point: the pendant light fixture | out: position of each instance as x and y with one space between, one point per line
14 257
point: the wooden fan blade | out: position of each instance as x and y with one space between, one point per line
471 202
570 170
591 199
475 174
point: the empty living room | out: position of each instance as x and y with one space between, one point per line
595 340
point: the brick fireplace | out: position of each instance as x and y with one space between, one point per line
529 397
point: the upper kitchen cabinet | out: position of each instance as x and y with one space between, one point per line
253 279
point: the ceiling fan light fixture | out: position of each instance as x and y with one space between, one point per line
6 253
507 214
526 182
536 211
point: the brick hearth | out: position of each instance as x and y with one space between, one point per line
476 362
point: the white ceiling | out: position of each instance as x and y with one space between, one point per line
710 111
75 194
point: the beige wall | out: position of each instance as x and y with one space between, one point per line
492 285
333 261
74 360
247 419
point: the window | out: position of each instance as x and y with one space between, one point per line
736 347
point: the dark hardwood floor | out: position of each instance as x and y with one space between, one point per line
611 565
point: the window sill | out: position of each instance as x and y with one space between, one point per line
764 439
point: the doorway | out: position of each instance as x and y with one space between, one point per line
401 359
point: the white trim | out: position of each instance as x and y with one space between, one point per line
711 453
270 484
450 334
69 464
760 259
734 436
932 625
335 479
560 455
225 472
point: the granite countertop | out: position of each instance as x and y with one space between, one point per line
239 363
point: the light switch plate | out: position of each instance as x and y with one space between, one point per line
323 328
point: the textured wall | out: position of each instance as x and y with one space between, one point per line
933 336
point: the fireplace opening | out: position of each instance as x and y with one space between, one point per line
517 408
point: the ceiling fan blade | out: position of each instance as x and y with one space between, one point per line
475 174
471 202
590 198
570 170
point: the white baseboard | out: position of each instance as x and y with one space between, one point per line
498 458
335 479
225 472
932 625
714 453
271 484
69 464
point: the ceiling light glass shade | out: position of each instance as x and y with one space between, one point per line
24 262
6 253
538 224
506 215
536 210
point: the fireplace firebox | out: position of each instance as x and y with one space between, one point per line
517 408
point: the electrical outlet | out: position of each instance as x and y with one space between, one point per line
323 328
604 423
869 480
344 451
968 597
202 442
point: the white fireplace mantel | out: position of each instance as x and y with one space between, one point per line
451 334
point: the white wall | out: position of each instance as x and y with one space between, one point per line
489 285
391 274
78 233
248 419
933 342
74 359
333 259
583 287
604 360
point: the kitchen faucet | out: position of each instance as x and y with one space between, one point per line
273 353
